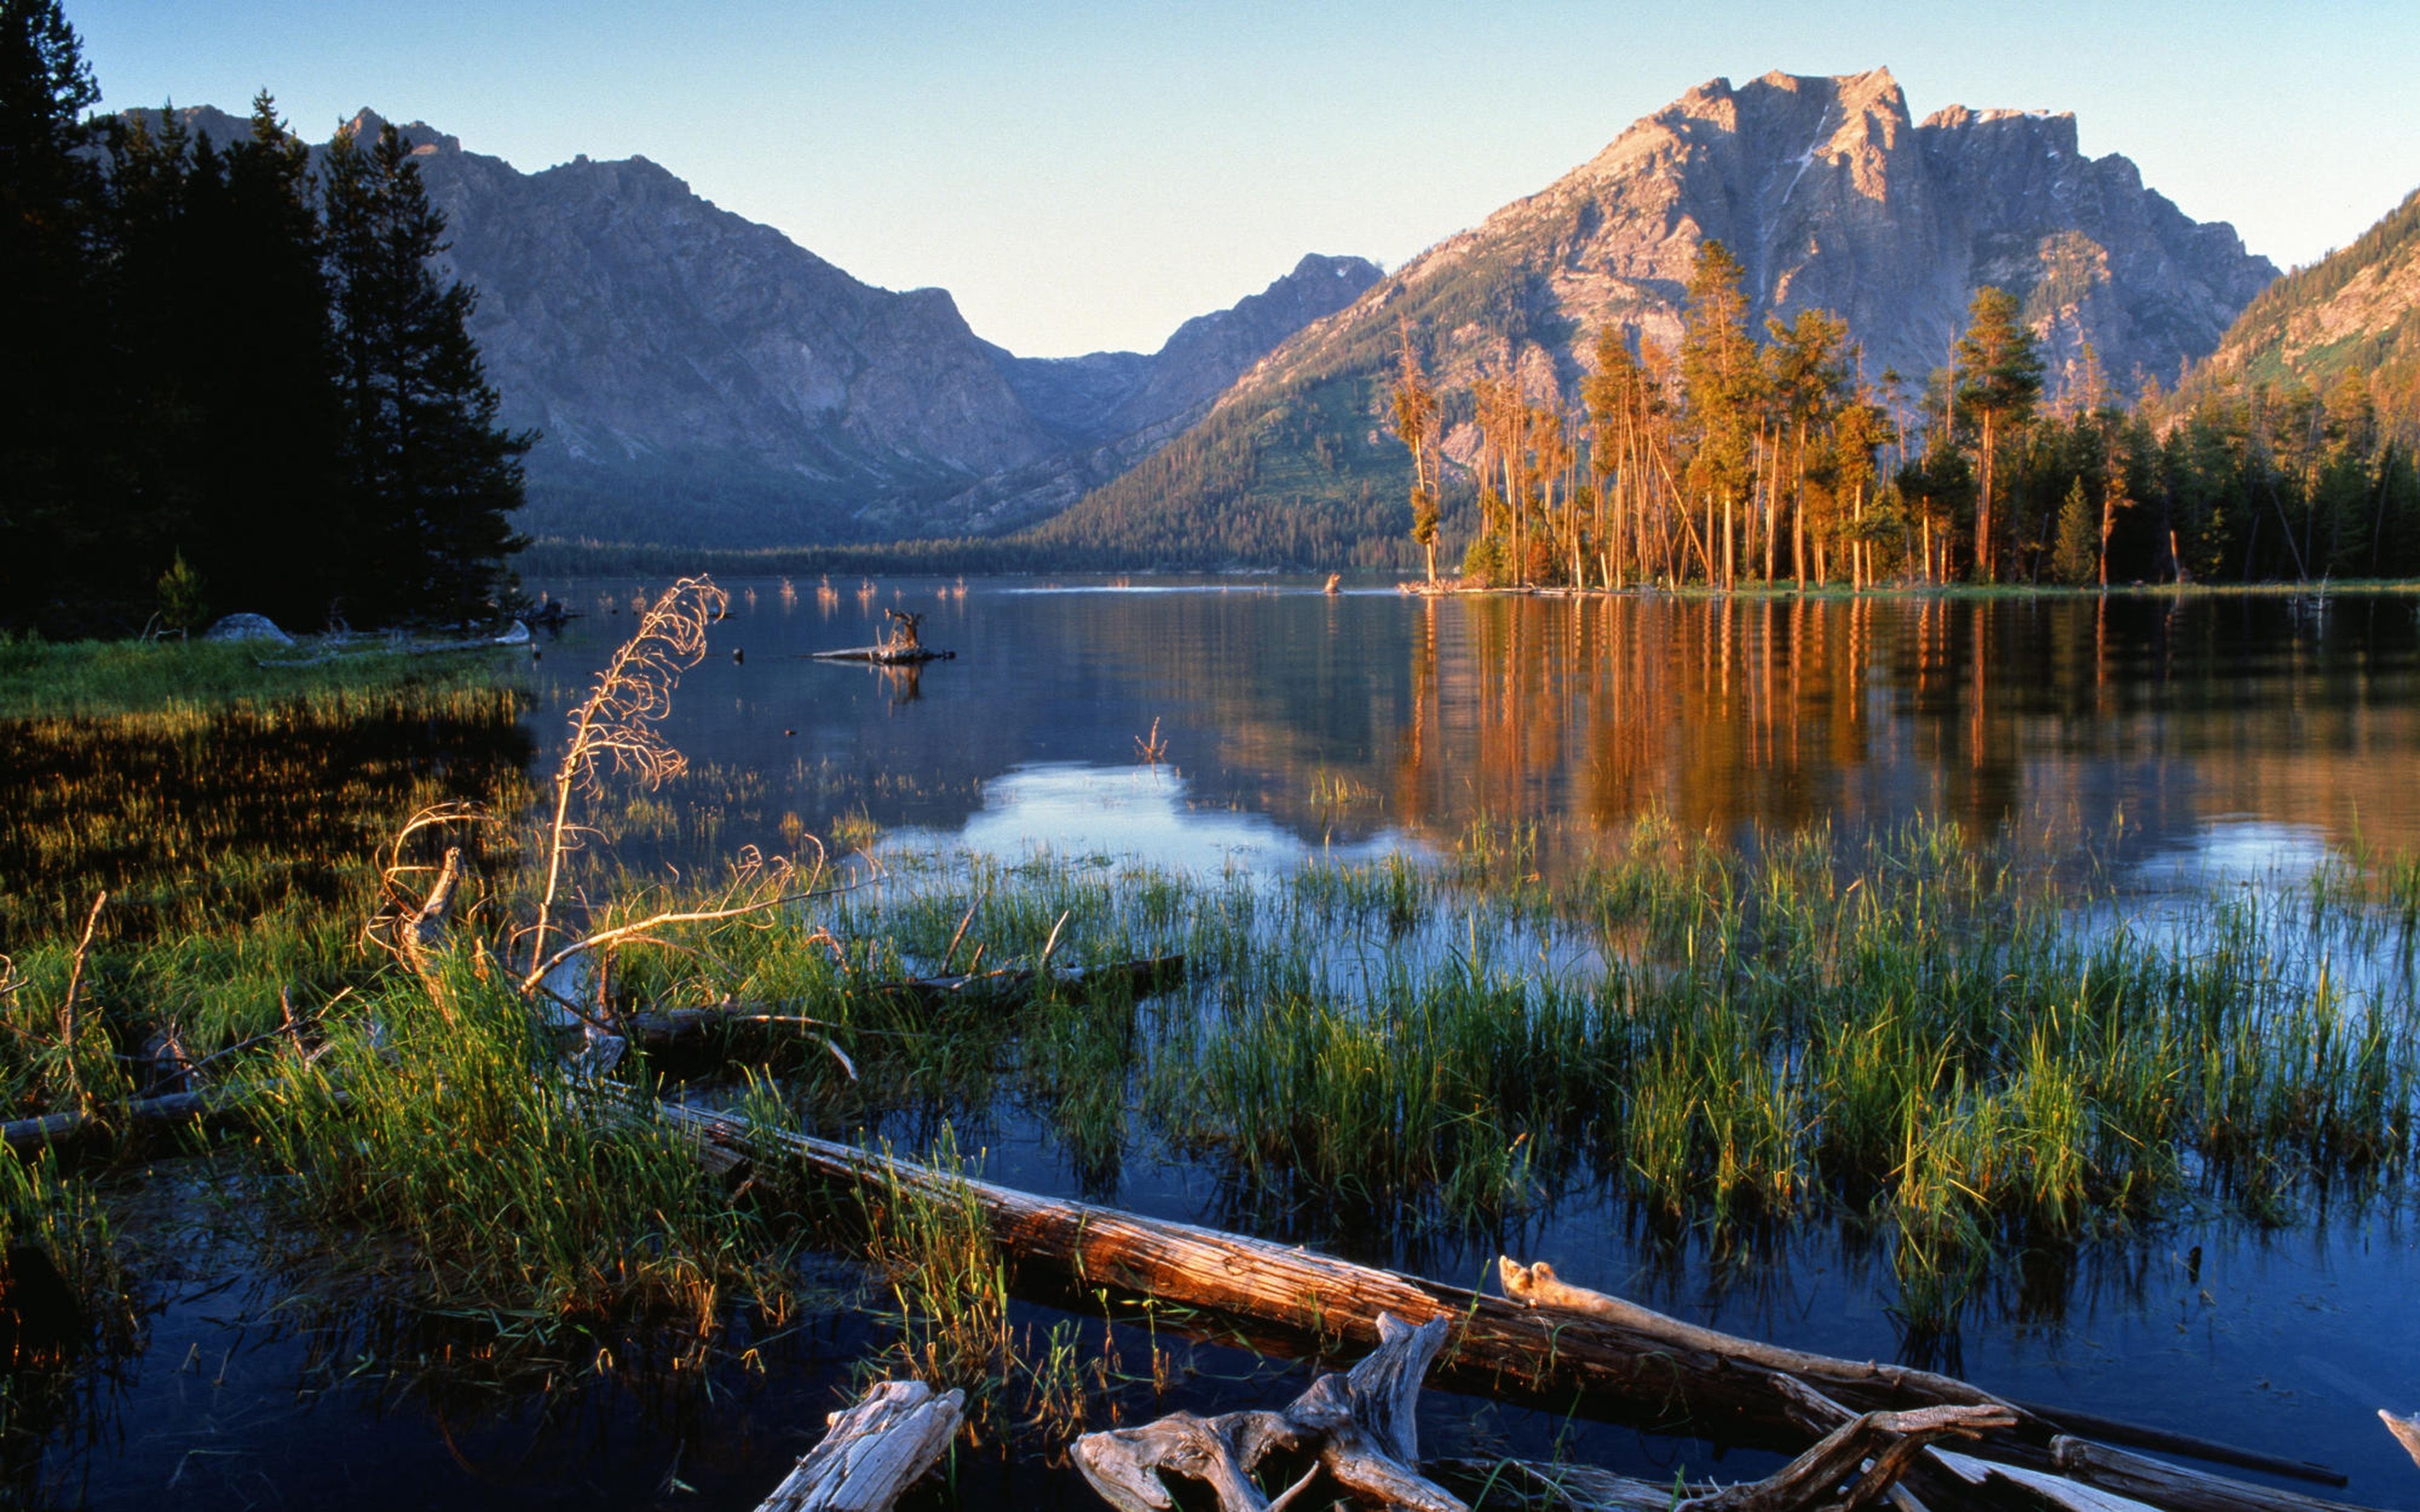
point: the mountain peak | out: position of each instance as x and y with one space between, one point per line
421 137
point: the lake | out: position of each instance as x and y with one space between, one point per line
2165 735
2163 747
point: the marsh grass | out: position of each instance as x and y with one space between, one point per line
1967 1062
437 1121
231 812
68 1316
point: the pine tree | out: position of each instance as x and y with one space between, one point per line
269 466
433 476
54 356
1999 383
2076 560
1723 379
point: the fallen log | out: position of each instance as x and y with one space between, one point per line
1711 1385
875 1450
70 1130
684 1027
2406 1431
1538 1286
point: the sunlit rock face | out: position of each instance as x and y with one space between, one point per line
1832 197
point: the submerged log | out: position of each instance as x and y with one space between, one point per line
1712 1383
874 1451
1538 1286
884 656
1005 988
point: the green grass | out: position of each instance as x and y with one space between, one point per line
85 678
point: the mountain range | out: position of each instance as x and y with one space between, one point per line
701 379
1829 193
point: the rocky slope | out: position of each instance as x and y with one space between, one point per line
2354 311
699 378
1830 193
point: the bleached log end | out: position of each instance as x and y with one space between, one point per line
874 1451
2406 1431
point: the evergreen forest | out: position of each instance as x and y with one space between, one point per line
230 380
1734 460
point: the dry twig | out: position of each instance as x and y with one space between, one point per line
616 725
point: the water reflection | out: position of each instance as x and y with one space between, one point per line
2156 731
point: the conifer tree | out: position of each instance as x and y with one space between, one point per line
53 347
2077 557
433 476
1418 414
1999 383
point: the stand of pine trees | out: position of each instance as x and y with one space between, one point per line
229 381
1733 460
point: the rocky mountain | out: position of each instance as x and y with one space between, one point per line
1827 189
2354 311
699 378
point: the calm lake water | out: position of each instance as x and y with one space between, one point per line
2244 734
2178 743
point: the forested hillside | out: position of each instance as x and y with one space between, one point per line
2354 312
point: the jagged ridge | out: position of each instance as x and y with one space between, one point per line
1829 193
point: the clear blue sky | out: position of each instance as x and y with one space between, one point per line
1087 177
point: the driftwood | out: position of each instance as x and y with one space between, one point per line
1357 1427
1495 1345
875 1450
1359 1430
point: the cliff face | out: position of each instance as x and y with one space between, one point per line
1829 193
1834 198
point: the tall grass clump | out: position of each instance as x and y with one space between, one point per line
441 1122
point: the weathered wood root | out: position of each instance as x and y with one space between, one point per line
875 1450
1357 1427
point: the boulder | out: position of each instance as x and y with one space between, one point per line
248 627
